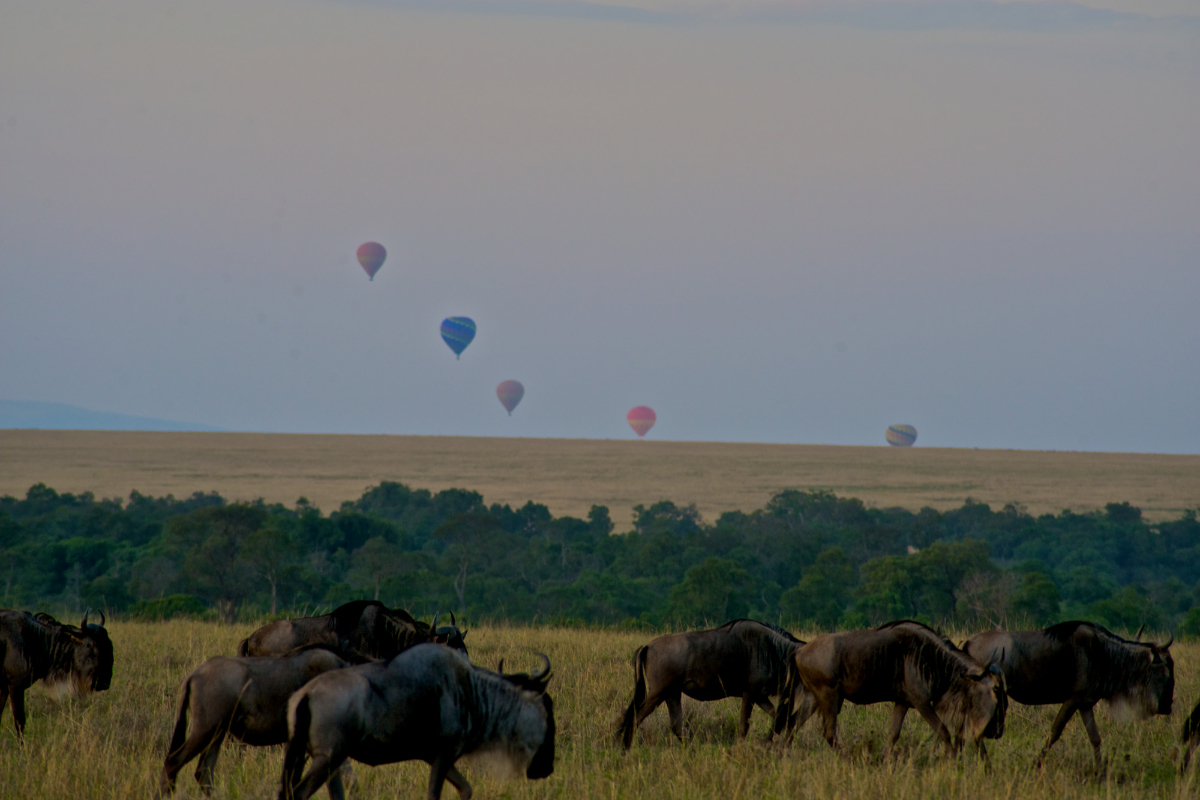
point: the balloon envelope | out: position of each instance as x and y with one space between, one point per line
458 333
641 419
901 435
510 393
371 255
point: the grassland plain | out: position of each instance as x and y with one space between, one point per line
112 745
569 475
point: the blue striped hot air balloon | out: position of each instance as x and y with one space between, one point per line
458 333
901 435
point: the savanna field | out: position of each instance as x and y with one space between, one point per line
112 744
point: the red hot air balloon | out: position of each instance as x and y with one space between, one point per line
371 255
510 393
641 419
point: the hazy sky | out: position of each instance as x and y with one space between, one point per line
780 222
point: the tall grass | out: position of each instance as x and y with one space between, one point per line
112 745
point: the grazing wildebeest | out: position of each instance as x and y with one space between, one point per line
37 647
1191 736
244 697
361 630
427 703
1079 664
904 663
743 658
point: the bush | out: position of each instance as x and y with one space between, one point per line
172 607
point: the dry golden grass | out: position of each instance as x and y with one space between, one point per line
569 475
113 745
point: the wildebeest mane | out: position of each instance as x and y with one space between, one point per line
784 633
1125 661
938 659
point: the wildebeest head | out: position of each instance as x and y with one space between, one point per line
535 685
987 703
449 635
82 657
1154 690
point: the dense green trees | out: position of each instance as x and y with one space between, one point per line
807 558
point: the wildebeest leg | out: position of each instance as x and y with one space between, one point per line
1088 716
899 712
335 787
322 768
18 707
675 712
1187 752
828 703
459 782
3 700
929 715
807 706
208 763
1064 716
439 771
765 704
744 719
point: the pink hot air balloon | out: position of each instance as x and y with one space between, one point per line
371 255
641 419
510 393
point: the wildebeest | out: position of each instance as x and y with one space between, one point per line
361 630
743 658
1191 736
427 703
1079 664
904 663
244 697
37 647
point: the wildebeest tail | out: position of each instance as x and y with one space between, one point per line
180 734
639 696
297 749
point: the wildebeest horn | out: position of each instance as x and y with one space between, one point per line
1170 642
1138 636
537 676
101 610
453 621
433 625
500 667
86 611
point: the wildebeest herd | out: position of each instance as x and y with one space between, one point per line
374 685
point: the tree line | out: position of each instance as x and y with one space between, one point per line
808 558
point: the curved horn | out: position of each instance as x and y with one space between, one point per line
453 621
500 667
101 610
433 625
87 611
1170 642
537 676
1138 637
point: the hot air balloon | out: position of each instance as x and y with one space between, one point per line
641 419
458 333
901 435
510 393
371 255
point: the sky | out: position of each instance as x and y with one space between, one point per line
770 221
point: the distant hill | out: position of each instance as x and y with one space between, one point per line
60 416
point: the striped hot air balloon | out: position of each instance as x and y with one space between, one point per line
641 419
458 333
371 255
510 393
901 435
